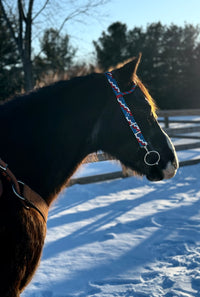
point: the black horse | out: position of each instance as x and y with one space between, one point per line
47 133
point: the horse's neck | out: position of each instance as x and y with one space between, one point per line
48 138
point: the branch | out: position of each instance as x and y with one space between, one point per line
69 17
39 12
28 31
21 11
20 21
83 10
30 8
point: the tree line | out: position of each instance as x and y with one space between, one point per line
56 57
170 66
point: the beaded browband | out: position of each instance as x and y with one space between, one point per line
151 157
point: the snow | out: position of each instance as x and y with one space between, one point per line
123 238
90 169
126 237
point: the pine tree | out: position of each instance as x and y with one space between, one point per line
57 54
10 68
170 65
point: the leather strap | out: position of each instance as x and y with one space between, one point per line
29 197
35 201
7 172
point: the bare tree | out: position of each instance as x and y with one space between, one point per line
20 16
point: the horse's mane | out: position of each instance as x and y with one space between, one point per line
138 82
147 95
73 81
40 92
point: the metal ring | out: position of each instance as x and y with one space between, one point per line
154 154
18 195
15 192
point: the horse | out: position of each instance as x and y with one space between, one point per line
47 133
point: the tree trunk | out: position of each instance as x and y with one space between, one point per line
28 77
27 63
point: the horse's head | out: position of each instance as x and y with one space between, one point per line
128 128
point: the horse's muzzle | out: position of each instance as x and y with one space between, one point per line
170 169
157 174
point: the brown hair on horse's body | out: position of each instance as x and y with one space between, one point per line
22 234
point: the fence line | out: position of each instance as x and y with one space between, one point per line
176 112
172 132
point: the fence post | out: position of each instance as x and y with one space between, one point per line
166 121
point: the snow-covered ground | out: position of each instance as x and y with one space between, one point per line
126 237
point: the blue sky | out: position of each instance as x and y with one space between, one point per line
133 13
84 30
142 12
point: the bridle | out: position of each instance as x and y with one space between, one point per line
29 198
150 154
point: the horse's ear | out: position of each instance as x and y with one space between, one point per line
128 70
